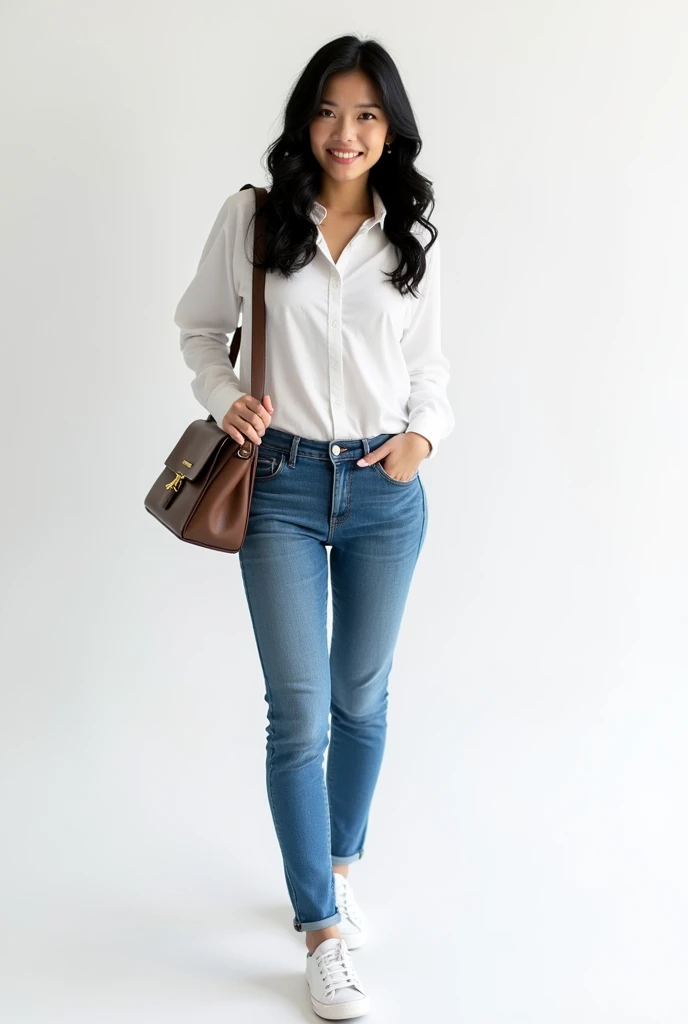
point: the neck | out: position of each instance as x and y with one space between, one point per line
346 197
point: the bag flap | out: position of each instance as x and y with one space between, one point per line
197 445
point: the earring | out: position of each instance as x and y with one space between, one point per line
389 147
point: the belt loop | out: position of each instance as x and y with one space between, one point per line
292 451
366 446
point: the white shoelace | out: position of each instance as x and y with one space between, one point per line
347 905
336 967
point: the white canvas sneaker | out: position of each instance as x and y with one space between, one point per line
353 926
336 990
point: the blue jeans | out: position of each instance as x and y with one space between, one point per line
309 495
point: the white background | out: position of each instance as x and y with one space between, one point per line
526 854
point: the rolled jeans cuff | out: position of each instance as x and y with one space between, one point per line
347 860
312 926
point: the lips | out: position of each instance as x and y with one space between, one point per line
344 159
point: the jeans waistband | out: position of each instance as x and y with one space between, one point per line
341 449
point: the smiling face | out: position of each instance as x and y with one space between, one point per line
349 120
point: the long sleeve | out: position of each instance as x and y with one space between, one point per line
207 313
429 410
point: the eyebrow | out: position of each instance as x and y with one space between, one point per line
330 103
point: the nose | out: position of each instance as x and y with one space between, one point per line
348 131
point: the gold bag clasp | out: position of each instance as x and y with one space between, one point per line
175 484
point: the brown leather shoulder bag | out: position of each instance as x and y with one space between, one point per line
203 494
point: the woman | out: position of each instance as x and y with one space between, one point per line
356 399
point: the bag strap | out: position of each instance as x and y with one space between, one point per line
257 305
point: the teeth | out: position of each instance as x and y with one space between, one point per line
345 156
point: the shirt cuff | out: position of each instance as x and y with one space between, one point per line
422 425
221 401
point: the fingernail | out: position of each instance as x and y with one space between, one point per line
361 462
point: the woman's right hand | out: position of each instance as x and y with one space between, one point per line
247 418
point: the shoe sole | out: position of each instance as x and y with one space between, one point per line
341 1011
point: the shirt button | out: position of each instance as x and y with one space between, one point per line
336 449
335 284
335 323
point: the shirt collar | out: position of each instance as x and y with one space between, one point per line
318 211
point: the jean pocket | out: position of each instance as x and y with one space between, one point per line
385 476
268 466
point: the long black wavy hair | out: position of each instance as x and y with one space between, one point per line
290 234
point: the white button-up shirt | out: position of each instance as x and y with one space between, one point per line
347 356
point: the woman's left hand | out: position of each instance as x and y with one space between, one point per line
406 452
